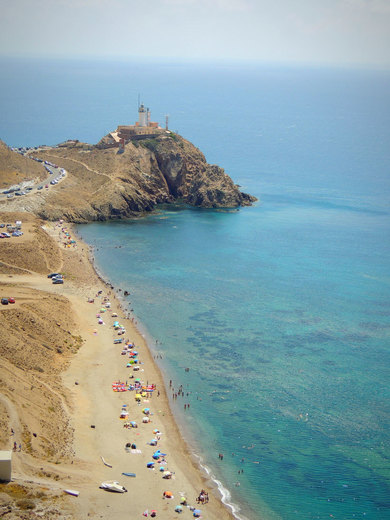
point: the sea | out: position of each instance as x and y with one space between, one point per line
274 318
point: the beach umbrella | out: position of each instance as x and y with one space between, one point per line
197 512
183 500
150 464
137 380
178 509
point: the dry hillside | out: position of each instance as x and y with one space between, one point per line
102 183
15 168
37 339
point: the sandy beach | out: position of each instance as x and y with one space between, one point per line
96 437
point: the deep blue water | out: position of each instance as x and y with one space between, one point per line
280 310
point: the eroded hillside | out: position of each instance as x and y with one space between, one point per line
102 184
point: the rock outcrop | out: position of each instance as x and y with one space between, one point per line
103 183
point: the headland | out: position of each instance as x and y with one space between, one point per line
61 355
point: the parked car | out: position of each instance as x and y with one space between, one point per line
2 225
58 280
52 275
11 300
4 301
10 196
40 188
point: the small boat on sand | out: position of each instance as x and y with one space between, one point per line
72 492
113 485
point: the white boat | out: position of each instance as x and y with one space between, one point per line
113 485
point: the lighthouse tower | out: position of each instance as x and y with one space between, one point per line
142 112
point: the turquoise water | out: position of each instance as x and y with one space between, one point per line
286 343
281 311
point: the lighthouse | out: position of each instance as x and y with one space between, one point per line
143 114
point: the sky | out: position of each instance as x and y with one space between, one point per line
331 32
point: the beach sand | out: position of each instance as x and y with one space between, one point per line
91 409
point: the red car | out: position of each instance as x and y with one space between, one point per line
11 300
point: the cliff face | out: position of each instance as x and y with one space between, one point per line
103 184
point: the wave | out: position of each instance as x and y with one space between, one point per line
224 492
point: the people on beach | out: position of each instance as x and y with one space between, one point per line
203 497
143 390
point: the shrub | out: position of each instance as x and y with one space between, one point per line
25 503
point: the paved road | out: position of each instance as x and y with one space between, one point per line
56 173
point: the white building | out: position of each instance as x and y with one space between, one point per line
143 115
5 465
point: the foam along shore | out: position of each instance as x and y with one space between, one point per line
124 430
139 416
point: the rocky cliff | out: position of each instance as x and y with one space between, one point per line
103 184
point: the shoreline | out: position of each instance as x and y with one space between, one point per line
218 490
218 506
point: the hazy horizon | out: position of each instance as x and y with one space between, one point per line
350 33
